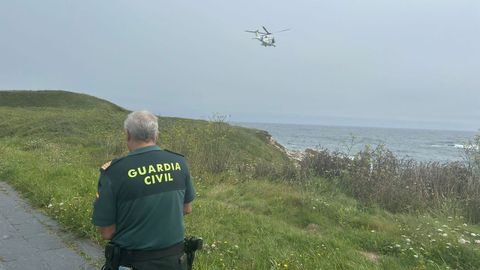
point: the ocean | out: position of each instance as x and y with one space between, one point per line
421 145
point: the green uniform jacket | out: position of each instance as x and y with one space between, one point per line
143 194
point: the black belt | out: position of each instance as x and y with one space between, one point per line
131 256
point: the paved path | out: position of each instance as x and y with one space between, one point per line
30 240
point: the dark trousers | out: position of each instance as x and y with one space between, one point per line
175 262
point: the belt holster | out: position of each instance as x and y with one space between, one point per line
112 257
192 244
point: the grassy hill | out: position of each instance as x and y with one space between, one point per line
253 208
54 99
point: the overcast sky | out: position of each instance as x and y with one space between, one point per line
401 63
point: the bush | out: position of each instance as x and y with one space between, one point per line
207 148
377 176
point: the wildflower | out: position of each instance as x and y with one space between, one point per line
408 240
372 231
429 235
61 204
465 224
472 234
462 241
49 205
440 230
445 226
444 235
314 208
477 241
285 265
416 256
214 246
398 246
236 246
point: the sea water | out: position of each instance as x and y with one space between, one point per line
421 145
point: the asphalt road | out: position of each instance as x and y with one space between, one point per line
30 240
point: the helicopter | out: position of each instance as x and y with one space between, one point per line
266 38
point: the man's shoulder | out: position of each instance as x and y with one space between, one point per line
175 153
109 164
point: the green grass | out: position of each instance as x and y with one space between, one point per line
51 154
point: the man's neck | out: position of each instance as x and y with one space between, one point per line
137 145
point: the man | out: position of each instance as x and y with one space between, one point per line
142 198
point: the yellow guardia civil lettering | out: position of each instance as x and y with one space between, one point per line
158 178
155 173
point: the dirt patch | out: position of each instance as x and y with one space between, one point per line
370 256
312 227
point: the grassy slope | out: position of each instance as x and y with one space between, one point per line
51 144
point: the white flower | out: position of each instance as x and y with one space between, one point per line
477 241
214 246
49 205
465 224
444 235
445 226
60 204
398 246
440 230
372 231
416 256
408 240
462 241
472 234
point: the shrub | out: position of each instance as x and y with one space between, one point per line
376 175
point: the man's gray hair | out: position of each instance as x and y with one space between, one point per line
142 126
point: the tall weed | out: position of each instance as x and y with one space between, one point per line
377 176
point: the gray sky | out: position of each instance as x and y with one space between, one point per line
403 63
